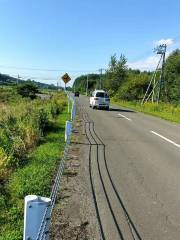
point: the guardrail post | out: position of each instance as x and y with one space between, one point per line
68 130
69 104
34 211
73 111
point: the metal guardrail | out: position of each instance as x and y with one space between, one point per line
43 233
40 226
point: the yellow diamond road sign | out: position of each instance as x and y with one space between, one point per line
66 78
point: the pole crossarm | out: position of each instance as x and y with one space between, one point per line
156 84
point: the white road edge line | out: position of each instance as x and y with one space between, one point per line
124 117
167 139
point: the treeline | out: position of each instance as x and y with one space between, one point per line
127 84
80 83
12 81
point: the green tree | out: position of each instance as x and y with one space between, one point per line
28 90
80 83
135 86
172 76
116 73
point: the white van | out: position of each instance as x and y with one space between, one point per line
100 99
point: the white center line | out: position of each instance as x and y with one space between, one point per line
124 117
167 139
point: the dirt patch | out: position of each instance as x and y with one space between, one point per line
74 215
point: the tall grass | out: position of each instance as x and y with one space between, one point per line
31 142
21 128
165 111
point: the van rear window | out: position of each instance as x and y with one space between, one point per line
101 94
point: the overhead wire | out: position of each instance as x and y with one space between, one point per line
45 69
53 78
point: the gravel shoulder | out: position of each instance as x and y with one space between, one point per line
74 216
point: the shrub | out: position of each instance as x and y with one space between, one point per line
22 126
4 161
28 90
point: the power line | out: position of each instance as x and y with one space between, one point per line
45 69
177 38
49 78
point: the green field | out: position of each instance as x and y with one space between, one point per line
31 145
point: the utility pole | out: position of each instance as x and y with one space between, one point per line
157 84
161 50
87 84
100 80
60 83
17 79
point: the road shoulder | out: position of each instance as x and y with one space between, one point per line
74 215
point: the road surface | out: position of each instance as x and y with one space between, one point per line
135 174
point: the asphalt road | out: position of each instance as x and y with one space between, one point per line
143 158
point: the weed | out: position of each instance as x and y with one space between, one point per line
163 110
34 133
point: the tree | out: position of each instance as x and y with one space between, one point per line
135 86
28 90
172 76
116 73
80 83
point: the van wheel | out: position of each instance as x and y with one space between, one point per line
107 108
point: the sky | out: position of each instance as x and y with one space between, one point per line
43 39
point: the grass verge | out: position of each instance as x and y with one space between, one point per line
34 178
165 111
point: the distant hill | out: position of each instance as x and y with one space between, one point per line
7 80
11 81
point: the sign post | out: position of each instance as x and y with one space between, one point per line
66 78
69 104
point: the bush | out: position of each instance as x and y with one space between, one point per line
22 127
133 88
28 90
4 161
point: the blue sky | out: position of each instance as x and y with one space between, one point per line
78 36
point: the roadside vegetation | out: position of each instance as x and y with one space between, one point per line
170 112
127 86
31 143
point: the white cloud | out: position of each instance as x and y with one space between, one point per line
168 42
148 64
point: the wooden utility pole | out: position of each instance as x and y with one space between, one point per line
87 84
162 51
156 85
100 80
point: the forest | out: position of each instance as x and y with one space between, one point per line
127 84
